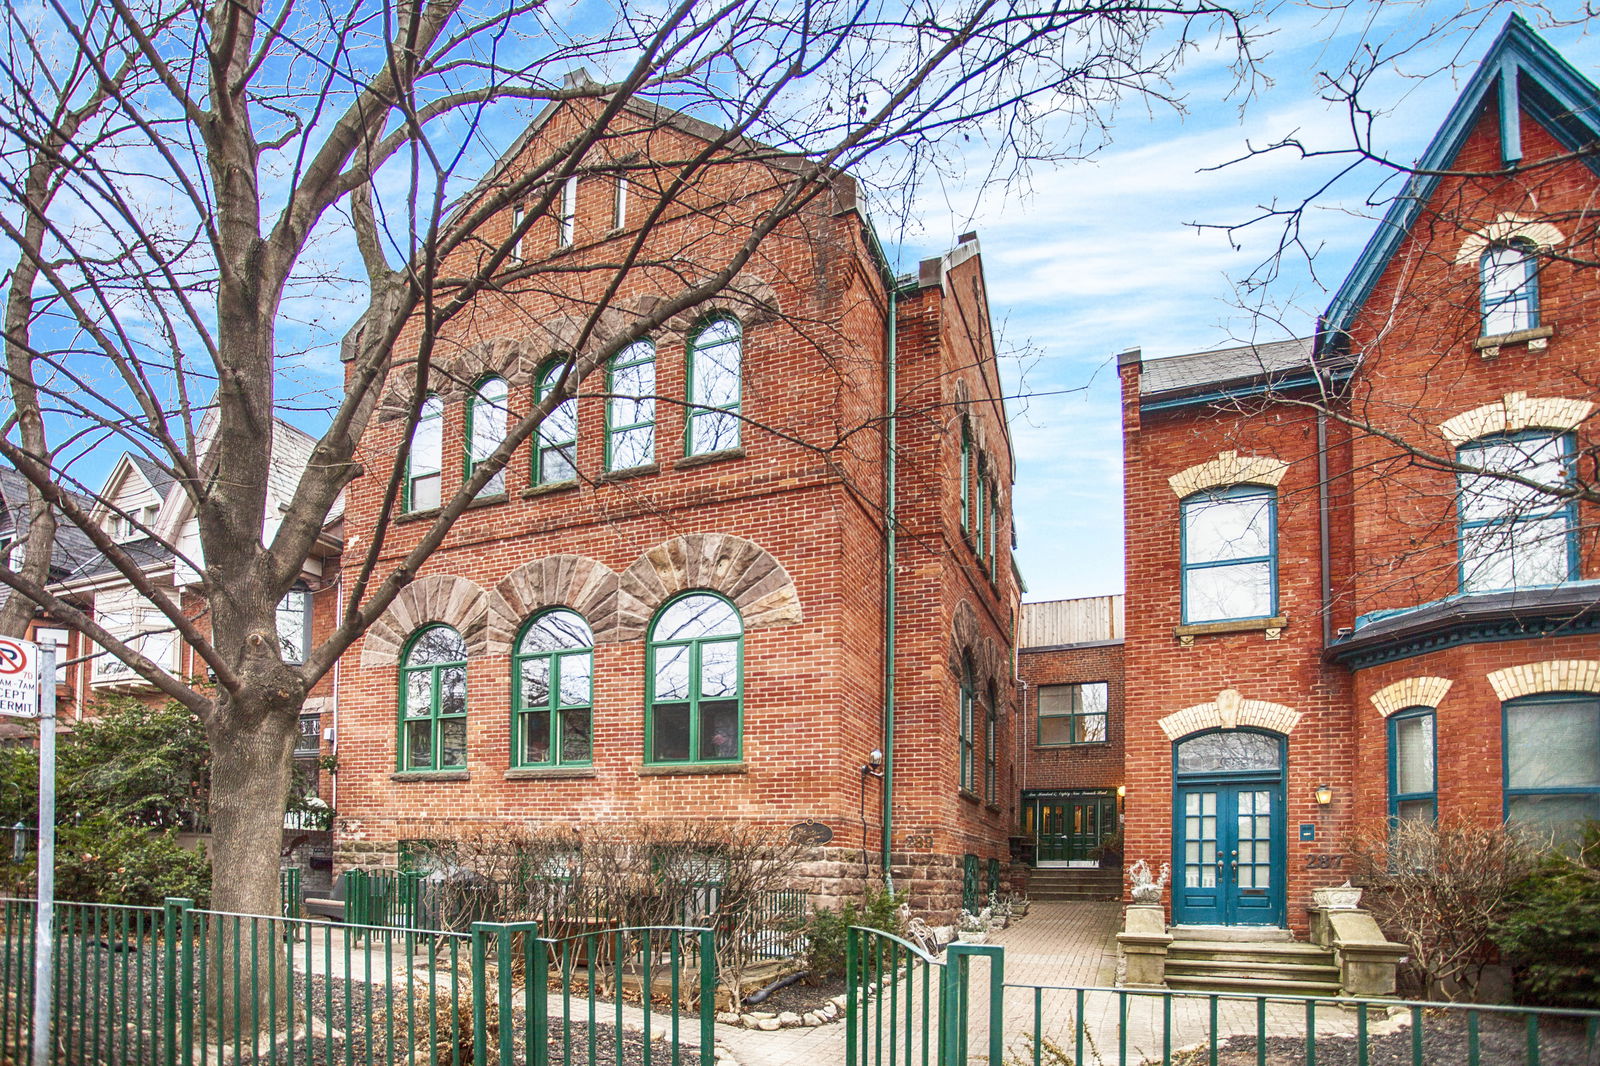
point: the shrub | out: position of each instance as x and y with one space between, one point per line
826 929
101 861
1551 936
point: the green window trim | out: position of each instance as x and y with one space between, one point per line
425 463
965 724
429 718
977 512
709 735
1413 803
994 529
966 475
555 451
1078 714
631 417
990 760
558 644
487 414
714 386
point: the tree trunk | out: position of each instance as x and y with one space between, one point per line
251 763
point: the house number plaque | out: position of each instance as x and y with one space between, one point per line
810 832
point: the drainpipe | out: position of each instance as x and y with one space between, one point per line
1322 527
890 613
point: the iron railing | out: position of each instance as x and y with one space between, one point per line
905 1007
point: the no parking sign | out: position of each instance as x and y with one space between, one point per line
19 678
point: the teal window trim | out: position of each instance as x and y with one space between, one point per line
994 528
1543 699
966 475
554 443
695 700
639 354
1211 496
1397 798
436 717
990 761
702 412
1564 510
1520 301
968 695
557 711
477 451
979 505
1081 726
426 459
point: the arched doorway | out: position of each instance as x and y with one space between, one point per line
1228 828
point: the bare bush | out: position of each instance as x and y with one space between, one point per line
1441 888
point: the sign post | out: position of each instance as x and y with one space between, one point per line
28 690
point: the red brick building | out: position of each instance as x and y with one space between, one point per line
1361 567
1071 731
684 598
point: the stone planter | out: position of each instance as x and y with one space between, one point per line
972 936
1146 895
1338 898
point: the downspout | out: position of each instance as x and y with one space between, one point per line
1324 553
890 612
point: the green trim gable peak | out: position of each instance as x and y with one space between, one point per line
1526 75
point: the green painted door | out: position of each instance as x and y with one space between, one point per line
1067 826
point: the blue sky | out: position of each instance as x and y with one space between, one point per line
1099 256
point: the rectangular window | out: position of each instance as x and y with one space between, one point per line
1073 714
309 740
569 211
619 219
1229 555
990 781
1515 535
1510 289
1552 759
1413 792
517 217
294 625
59 638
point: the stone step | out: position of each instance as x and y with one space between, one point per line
1260 984
1075 892
1225 968
1268 954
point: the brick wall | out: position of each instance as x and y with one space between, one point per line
1072 765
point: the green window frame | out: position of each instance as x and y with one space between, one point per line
964 731
715 388
1413 765
994 529
1551 753
1512 535
1074 714
425 463
552 691
966 475
486 429
695 682
1229 546
555 453
979 505
990 754
631 408
432 729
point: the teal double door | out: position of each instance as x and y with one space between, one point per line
1228 837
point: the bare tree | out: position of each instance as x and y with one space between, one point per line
191 206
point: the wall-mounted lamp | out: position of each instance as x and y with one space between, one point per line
874 766
1324 795
1122 791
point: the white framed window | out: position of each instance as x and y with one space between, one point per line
1508 276
619 218
294 625
61 640
1513 535
1229 550
569 212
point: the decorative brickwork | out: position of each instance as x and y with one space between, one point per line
1228 468
739 569
1515 413
455 601
1410 692
585 585
1555 675
1508 227
1230 711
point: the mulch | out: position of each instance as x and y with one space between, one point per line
802 996
1502 1041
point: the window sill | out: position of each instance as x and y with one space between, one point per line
1071 746
1521 336
430 775
691 461
540 773
632 471
417 516
489 501
970 796
992 808
688 768
549 487
1273 627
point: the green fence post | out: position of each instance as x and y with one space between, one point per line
708 997
537 1006
852 938
953 1008
480 992
177 1012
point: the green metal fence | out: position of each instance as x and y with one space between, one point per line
906 1007
181 986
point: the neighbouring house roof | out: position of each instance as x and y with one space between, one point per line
73 552
1208 373
1526 75
158 478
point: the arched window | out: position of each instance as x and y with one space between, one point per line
696 669
552 691
555 458
1413 773
1510 287
1230 554
966 476
433 701
1513 535
990 748
427 457
980 506
1552 761
715 353
964 727
631 411
486 429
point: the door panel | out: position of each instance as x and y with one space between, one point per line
1068 827
1228 848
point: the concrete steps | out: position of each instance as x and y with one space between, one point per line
1075 885
1278 966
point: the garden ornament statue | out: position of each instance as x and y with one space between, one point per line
1147 889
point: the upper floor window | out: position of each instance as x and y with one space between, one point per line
619 217
994 528
555 454
294 625
427 457
486 429
978 508
966 475
552 680
1230 554
1413 772
964 726
631 411
308 741
715 354
433 701
696 669
990 747
569 212
61 640
1073 714
1510 287
1552 760
1514 535
518 237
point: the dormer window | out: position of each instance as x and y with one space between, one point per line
1510 288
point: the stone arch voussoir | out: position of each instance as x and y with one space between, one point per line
743 571
585 585
1230 711
456 601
